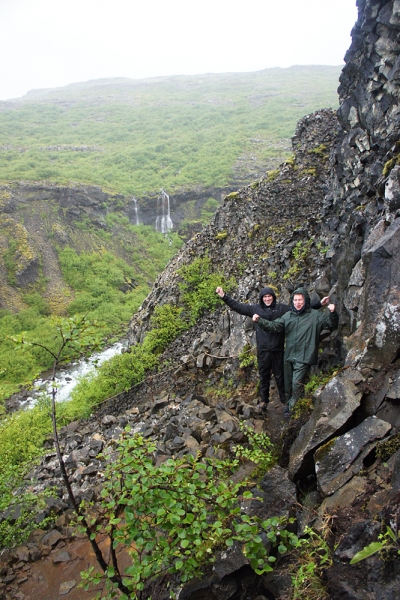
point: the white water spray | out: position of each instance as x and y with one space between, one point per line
163 221
137 221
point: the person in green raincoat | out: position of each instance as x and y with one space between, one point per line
302 327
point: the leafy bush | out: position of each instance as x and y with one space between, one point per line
199 285
173 516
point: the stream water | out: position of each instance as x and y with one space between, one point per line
68 377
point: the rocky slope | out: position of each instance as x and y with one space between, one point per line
329 218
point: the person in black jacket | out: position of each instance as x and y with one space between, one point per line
270 346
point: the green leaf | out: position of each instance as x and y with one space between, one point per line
366 552
391 533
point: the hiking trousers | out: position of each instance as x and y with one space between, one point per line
295 374
271 362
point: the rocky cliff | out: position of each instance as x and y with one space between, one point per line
328 218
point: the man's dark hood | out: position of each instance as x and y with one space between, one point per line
306 295
265 291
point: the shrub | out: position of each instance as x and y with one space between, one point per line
198 287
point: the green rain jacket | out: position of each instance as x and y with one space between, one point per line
302 330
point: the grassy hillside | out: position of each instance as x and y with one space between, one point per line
135 136
72 267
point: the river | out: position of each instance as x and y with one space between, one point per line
67 377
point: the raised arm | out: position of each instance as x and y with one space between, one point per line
316 305
330 320
243 309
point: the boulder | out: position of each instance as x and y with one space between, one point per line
276 496
335 462
334 405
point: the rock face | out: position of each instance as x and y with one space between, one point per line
329 218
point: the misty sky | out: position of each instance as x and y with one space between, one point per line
50 43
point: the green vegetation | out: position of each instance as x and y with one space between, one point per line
248 357
198 287
260 450
193 505
22 436
321 151
106 289
272 175
167 322
387 448
312 557
395 160
172 132
387 542
300 254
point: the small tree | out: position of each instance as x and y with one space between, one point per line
171 518
75 337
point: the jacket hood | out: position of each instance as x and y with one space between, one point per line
267 290
306 295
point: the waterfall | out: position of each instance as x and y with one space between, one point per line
137 221
163 221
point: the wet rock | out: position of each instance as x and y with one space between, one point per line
343 497
11 514
108 420
229 561
61 557
389 411
66 587
52 538
396 471
335 462
55 505
159 404
192 444
334 406
276 496
360 535
394 390
206 413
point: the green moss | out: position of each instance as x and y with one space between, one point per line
291 161
387 448
221 235
312 171
388 166
254 229
232 195
320 150
324 449
272 175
